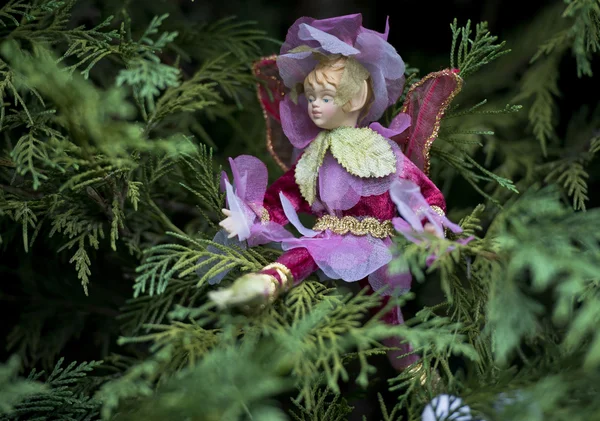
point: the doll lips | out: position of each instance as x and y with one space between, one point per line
317 114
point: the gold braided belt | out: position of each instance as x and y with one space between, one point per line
350 224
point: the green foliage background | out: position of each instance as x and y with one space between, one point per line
115 123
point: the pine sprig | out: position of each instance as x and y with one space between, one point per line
327 406
304 297
583 35
149 310
203 89
573 178
539 236
89 46
17 12
14 390
243 371
22 212
471 224
63 398
464 164
540 84
28 149
75 224
472 54
206 182
163 262
228 34
570 171
145 73
475 110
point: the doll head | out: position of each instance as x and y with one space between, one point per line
338 91
308 42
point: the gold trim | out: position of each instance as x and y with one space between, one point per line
438 210
440 114
418 371
264 216
369 225
285 274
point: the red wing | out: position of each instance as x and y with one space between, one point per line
425 103
270 89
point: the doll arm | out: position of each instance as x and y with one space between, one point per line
251 212
285 184
433 196
420 203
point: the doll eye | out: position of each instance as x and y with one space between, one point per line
325 100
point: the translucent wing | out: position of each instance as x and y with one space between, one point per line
271 90
425 103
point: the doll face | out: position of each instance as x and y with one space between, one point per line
322 109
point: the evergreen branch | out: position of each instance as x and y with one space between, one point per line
22 212
503 182
569 172
133 192
540 236
206 179
162 216
9 82
474 110
145 73
243 371
116 223
200 91
304 297
148 78
14 390
473 53
594 145
28 149
152 310
583 35
573 178
463 164
65 399
188 343
327 406
74 224
163 262
14 10
89 46
540 82
238 38
472 222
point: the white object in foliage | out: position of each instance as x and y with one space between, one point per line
446 408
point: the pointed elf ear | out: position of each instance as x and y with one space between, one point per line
359 100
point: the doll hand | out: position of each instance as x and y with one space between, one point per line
430 229
229 224
253 289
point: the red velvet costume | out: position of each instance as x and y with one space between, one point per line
381 207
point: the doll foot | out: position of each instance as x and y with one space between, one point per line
249 291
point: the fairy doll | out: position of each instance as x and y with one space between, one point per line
331 82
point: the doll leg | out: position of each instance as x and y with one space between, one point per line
394 317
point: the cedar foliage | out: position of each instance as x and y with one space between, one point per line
114 135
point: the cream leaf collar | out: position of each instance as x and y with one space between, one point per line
361 151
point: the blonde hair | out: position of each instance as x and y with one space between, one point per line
331 70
